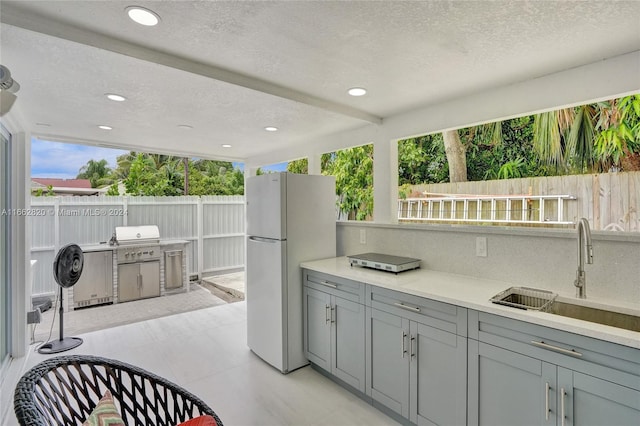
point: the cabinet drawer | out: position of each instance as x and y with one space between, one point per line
337 286
436 314
610 361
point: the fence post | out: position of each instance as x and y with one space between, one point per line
56 225
200 226
125 207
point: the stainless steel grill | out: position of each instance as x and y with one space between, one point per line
137 243
138 257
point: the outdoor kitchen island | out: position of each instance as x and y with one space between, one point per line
162 270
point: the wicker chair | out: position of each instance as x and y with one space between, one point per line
65 389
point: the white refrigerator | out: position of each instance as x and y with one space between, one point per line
291 218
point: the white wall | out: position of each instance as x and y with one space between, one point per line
523 257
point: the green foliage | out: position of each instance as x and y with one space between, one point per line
113 190
422 160
226 181
547 140
580 137
41 193
300 166
154 174
512 169
98 173
587 138
619 122
353 170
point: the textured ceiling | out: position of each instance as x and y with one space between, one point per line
231 68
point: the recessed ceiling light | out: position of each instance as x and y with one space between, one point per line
114 97
185 127
143 16
357 91
271 129
103 127
226 145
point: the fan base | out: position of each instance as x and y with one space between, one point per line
55 346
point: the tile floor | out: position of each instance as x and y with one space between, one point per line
101 317
205 351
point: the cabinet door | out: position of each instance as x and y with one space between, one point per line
128 288
438 376
317 327
507 388
149 279
96 281
347 338
389 346
586 400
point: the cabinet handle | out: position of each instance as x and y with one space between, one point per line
411 351
407 307
546 401
327 284
562 395
327 314
404 351
334 314
544 345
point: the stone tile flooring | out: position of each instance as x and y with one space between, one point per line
107 316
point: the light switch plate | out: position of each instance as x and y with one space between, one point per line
481 246
363 236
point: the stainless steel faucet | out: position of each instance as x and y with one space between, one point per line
584 238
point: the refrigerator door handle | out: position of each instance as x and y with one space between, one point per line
264 240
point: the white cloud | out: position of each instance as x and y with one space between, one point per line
64 160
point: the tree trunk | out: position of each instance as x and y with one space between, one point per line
456 156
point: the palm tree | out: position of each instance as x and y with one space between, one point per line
591 137
98 173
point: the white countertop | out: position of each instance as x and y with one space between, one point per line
98 247
106 246
474 293
170 242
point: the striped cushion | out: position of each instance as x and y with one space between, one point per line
105 413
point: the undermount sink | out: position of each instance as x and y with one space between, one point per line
600 316
546 301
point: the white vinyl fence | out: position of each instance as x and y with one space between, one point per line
213 225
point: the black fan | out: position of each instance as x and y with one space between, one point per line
67 268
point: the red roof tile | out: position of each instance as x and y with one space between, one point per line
63 183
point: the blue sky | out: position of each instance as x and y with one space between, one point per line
64 160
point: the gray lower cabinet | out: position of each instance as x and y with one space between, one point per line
317 327
524 374
438 376
590 401
389 361
334 335
507 388
418 364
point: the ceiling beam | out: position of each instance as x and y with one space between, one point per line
17 17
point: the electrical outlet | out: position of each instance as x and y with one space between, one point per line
363 236
481 246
